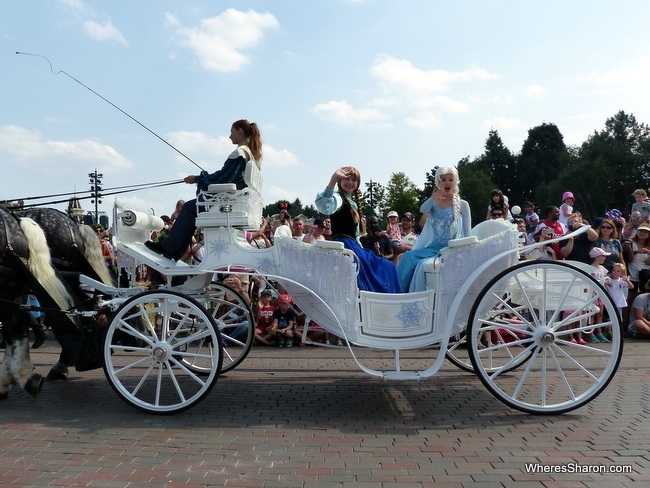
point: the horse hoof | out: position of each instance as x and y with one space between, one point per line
34 384
55 375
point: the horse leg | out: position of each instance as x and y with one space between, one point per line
59 371
5 376
17 363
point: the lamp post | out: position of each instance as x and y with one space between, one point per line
371 188
95 189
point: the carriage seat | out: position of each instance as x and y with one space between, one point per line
222 205
479 233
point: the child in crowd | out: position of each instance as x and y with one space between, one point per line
392 229
497 201
531 217
265 315
618 286
599 272
641 204
566 209
284 321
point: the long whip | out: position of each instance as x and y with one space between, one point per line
112 104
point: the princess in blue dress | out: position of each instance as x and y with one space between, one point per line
375 273
448 218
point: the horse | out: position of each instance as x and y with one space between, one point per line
45 250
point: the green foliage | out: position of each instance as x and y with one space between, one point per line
542 156
401 195
500 163
373 198
475 187
622 151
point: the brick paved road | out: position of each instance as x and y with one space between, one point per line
307 417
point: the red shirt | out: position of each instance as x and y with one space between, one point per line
559 230
265 317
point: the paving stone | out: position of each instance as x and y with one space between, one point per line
308 418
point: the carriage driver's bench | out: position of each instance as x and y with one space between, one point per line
222 205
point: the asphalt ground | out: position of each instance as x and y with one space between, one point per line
307 417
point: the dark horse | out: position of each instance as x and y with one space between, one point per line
45 250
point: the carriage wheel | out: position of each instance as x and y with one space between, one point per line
150 342
458 352
233 316
542 303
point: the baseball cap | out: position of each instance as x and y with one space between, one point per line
597 251
392 213
266 291
319 223
614 214
408 215
284 298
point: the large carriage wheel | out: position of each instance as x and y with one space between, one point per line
149 344
541 304
458 352
235 320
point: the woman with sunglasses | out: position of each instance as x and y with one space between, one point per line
608 241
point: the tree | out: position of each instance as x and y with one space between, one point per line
373 198
499 162
623 148
429 184
475 187
401 195
542 156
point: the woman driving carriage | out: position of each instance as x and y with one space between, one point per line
246 136
375 273
448 218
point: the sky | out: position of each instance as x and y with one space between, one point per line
386 86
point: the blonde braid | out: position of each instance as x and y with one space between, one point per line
456 215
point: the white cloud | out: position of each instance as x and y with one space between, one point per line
424 120
625 72
405 86
534 91
171 20
73 5
219 42
104 32
278 158
278 193
501 123
213 151
27 148
99 30
400 74
344 113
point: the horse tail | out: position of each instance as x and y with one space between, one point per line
40 264
93 254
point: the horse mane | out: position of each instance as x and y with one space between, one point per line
93 254
40 264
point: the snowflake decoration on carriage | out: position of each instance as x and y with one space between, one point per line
411 315
218 247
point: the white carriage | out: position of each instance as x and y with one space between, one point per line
507 321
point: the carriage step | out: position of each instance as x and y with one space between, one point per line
157 261
402 375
